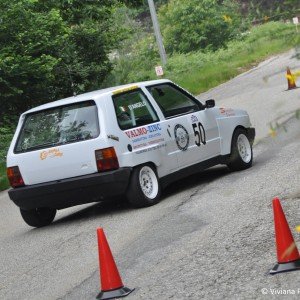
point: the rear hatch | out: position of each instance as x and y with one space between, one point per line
58 143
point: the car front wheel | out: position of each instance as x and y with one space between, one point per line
241 151
38 217
144 188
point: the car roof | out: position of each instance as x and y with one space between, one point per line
94 95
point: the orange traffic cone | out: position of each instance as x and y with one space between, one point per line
287 253
111 282
290 79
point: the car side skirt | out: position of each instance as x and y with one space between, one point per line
221 159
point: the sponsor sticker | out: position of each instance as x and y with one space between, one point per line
145 132
136 105
145 136
194 119
181 137
228 112
152 148
50 154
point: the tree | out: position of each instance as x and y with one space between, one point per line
258 10
52 48
134 3
189 25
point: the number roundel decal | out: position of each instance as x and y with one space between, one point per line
181 137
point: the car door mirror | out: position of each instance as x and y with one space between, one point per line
210 103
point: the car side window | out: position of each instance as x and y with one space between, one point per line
172 101
133 109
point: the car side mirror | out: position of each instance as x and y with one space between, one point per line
210 103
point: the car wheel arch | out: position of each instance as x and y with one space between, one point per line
148 163
234 130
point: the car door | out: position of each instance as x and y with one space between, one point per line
193 130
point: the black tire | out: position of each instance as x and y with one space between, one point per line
240 158
38 217
144 187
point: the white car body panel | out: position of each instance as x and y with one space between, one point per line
155 142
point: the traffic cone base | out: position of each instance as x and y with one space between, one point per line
292 88
287 267
118 293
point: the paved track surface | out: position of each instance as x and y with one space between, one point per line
210 237
262 91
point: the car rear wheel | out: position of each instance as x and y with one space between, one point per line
241 151
144 187
38 217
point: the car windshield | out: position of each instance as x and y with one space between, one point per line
59 125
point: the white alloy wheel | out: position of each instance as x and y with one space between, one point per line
144 187
148 182
244 148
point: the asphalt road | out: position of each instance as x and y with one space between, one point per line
210 237
262 91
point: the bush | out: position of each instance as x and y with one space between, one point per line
136 65
198 24
7 129
3 178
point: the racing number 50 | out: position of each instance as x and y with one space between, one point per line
199 133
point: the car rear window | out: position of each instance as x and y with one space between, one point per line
57 126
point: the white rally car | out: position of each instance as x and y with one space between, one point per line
130 140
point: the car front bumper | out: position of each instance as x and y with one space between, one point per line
72 191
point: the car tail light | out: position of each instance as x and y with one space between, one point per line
15 177
106 159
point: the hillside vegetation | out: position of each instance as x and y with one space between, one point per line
198 71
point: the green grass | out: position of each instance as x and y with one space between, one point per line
3 178
200 71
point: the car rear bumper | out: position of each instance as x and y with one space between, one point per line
72 191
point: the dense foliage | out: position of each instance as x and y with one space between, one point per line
6 133
198 24
259 10
51 49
